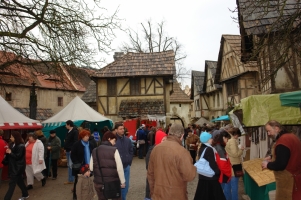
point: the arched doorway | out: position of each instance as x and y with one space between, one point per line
177 119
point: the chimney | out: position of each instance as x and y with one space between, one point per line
118 55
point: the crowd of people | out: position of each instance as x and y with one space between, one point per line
172 157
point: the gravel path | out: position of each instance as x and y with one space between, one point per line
55 189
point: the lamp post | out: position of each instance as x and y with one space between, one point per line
33 102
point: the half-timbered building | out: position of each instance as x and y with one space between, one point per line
213 91
136 85
200 107
270 35
238 79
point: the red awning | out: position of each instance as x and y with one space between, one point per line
7 126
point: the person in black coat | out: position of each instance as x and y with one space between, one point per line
93 142
71 138
209 188
15 158
81 154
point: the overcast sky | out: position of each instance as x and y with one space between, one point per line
197 25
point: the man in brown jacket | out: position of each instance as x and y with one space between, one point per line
192 142
170 167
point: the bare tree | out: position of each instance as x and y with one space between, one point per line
153 38
54 32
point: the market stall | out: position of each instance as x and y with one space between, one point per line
81 114
250 116
11 119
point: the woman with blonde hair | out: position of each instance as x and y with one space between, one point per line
234 153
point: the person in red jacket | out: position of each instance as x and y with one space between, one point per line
223 161
3 146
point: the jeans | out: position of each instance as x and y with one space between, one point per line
125 190
16 180
69 164
231 189
141 150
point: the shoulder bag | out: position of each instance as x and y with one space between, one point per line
203 167
76 166
238 172
111 190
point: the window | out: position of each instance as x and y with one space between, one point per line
135 86
179 105
112 87
60 101
218 103
8 96
232 88
197 104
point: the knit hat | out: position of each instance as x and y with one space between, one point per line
159 136
205 136
84 169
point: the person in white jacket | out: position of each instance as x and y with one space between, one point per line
34 160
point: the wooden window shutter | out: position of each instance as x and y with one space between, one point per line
112 87
135 85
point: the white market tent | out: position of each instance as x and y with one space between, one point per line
10 118
202 120
78 112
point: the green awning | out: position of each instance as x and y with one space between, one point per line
291 99
259 109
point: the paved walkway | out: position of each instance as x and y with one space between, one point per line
56 190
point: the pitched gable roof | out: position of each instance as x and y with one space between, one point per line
197 80
51 76
234 41
90 94
140 64
178 95
260 17
210 66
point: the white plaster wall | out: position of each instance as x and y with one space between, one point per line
182 112
46 98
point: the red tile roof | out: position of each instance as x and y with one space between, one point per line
51 76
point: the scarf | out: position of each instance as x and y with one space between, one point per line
207 144
86 152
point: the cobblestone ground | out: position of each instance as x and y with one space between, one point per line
56 190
